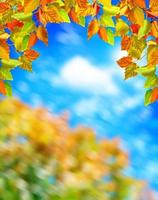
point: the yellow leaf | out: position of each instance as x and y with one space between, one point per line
130 71
4 36
121 28
30 5
152 55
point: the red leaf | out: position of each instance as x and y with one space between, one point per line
15 23
135 28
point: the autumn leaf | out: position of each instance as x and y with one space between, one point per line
93 28
154 29
8 89
53 15
121 28
136 15
152 55
139 3
42 34
135 28
4 49
154 95
125 61
130 71
31 55
103 34
144 30
154 7
26 64
30 5
14 24
5 74
151 82
136 47
4 6
147 99
125 43
73 15
2 88
32 40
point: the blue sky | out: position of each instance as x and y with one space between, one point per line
82 77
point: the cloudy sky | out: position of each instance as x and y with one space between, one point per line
82 77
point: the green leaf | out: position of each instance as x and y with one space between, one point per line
82 21
111 37
111 10
144 29
148 97
152 81
121 27
107 21
11 63
65 16
28 27
8 88
146 71
22 16
5 74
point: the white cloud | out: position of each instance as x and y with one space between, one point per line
79 74
69 36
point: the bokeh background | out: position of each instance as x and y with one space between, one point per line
82 78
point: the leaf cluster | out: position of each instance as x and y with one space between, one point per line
23 23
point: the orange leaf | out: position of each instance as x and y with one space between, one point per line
82 3
154 7
125 61
73 15
93 28
140 3
31 54
125 43
103 34
45 2
154 29
32 40
2 88
42 34
136 16
4 7
154 95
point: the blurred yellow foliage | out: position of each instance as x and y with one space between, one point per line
42 158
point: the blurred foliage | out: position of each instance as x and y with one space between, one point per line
42 158
24 22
